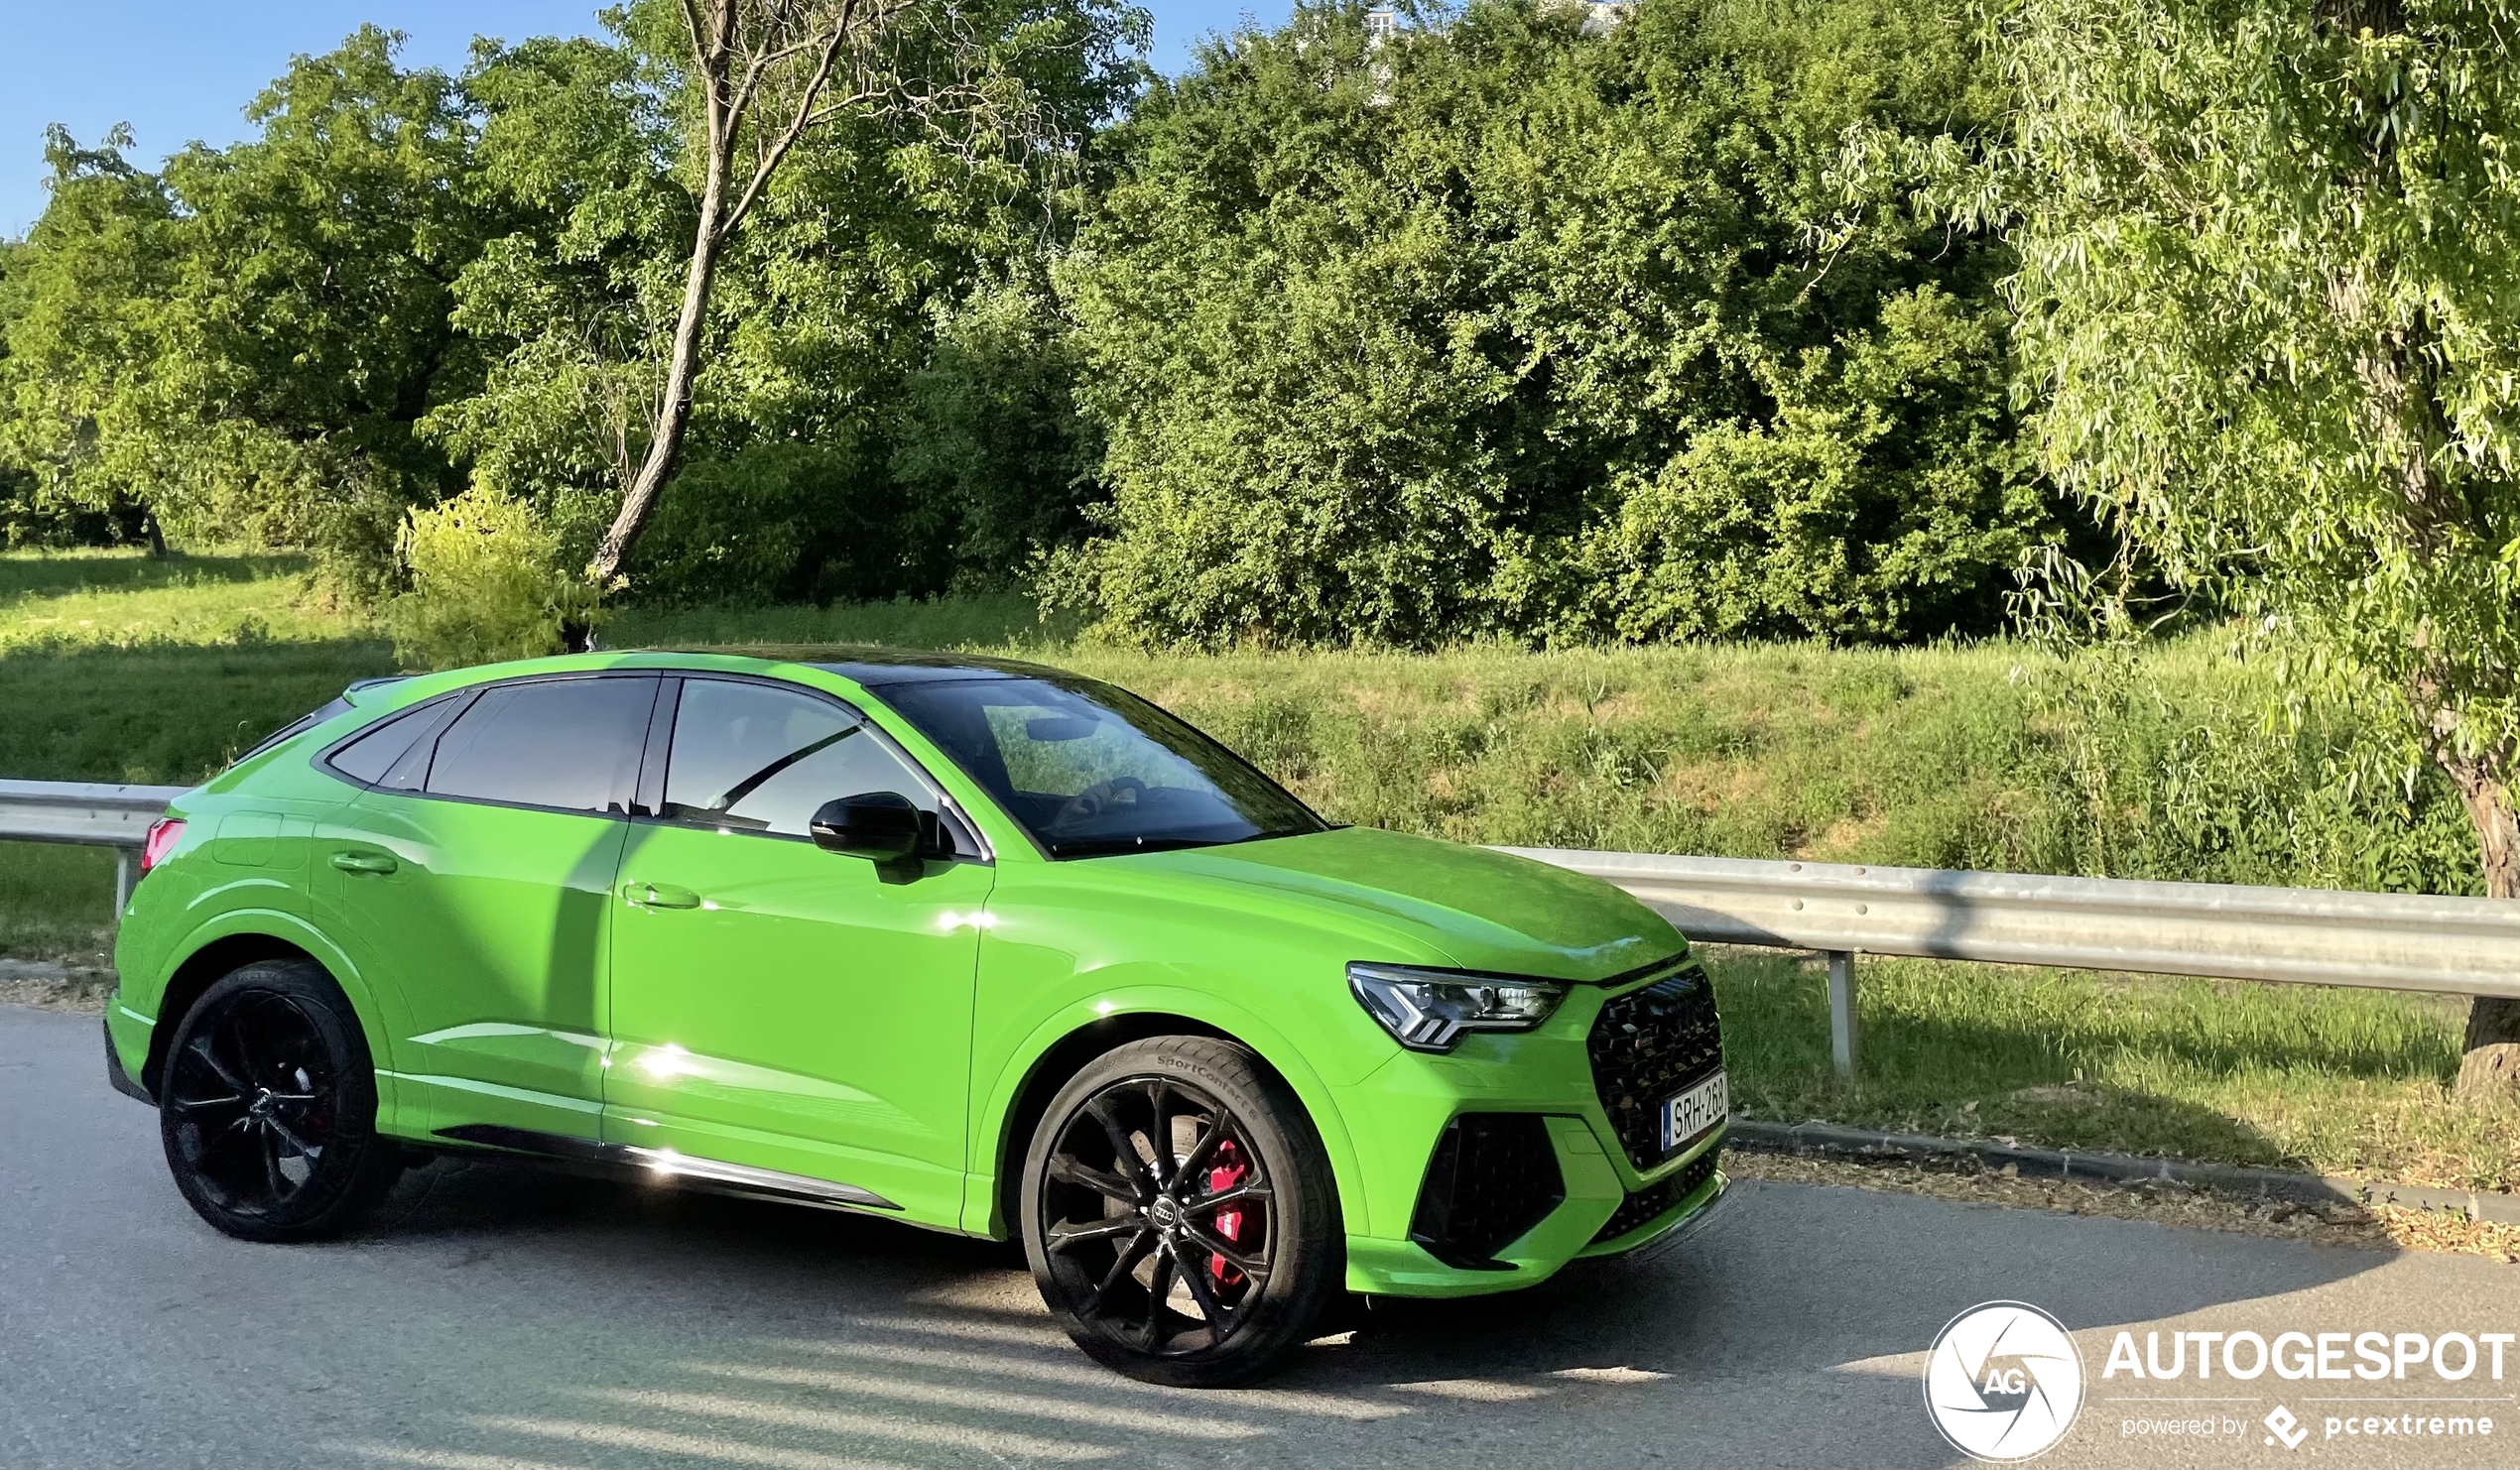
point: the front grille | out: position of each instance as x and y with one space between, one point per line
1653 1200
1493 1177
1648 1044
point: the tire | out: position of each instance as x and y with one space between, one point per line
1197 1265
268 1107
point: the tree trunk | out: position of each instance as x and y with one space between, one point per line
638 501
2490 1067
674 412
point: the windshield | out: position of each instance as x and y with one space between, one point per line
1091 770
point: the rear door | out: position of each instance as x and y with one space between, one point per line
473 878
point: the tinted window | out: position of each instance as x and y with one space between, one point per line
573 744
394 751
1091 770
758 758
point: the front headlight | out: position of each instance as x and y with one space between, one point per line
1428 1010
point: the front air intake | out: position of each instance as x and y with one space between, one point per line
1493 1177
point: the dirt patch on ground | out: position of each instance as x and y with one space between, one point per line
2374 1227
49 985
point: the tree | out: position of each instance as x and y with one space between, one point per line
1513 326
826 441
245 341
762 75
2270 278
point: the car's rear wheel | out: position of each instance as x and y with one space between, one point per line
268 1108
1179 1213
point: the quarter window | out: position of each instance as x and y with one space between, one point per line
571 744
762 759
394 753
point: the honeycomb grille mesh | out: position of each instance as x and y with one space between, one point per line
1648 1044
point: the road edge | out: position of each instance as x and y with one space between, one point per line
2119 1169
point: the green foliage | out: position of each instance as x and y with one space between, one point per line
488 583
2270 273
834 350
243 342
782 522
992 451
1513 327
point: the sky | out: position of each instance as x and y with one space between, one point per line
178 70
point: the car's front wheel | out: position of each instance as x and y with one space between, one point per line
1179 1213
268 1110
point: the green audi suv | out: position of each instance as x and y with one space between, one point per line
972 944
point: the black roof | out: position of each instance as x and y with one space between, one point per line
874 666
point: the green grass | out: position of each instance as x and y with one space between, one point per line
116 667
2337 1080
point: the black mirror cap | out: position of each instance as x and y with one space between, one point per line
882 826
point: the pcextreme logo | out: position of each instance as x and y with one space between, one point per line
2003 1381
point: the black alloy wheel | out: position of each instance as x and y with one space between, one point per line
268 1107
1179 1213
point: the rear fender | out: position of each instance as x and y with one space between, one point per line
297 933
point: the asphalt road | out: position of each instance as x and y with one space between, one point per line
499 1318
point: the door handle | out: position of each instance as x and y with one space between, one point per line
364 862
660 895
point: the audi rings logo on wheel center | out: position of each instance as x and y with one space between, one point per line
2003 1381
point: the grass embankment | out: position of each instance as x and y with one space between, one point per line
1990 756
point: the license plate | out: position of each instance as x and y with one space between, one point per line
1689 1115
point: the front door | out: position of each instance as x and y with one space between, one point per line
474 876
776 1006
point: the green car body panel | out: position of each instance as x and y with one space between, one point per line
741 999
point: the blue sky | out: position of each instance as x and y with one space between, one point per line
182 69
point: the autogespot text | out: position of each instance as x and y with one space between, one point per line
2311 1358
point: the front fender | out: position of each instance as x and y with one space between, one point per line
981 1191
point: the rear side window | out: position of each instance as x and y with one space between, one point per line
755 757
394 752
571 744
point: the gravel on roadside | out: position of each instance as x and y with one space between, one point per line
2369 1227
49 985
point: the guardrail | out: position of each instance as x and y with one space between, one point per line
2304 935
88 813
2311 936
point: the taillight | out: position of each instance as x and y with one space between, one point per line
164 833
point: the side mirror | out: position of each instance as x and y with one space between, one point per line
882 826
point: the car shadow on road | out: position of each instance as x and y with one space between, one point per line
584 1322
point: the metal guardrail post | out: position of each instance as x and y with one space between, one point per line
122 887
1842 1045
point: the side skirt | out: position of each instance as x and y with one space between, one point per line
664 1166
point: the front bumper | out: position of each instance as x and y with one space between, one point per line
1609 1206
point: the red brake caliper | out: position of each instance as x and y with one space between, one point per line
1230 1170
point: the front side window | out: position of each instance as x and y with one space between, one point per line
567 742
762 759
1091 770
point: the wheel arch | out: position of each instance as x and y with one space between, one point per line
1063 1046
238 941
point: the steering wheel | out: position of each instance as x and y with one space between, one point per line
1095 799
